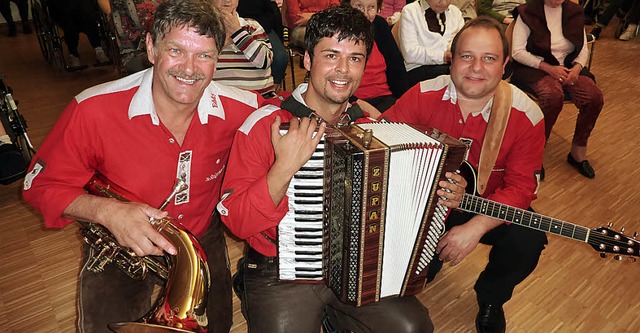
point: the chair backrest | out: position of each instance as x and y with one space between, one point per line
509 33
395 33
591 44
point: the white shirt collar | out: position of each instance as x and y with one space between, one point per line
142 101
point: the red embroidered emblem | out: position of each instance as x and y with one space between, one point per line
214 101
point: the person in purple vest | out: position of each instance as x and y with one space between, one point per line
550 50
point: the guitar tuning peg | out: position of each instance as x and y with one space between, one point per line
622 230
603 255
631 259
635 235
617 257
610 224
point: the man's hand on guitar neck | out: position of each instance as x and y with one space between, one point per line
458 242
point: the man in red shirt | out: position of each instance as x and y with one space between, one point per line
142 132
261 166
461 105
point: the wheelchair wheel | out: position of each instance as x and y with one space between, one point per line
48 38
42 32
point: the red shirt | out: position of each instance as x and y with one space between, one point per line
246 206
113 129
296 7
374 81
513 179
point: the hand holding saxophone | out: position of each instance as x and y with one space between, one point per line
129 224
127 221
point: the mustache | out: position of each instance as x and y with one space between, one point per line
183 75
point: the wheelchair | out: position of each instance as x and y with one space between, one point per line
51 41
49 38
16 127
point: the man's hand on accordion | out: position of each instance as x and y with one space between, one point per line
452 190
292 151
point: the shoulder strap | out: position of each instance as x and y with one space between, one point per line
498 120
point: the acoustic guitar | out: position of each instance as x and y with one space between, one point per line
602 239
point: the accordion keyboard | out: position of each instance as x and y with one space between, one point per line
300 231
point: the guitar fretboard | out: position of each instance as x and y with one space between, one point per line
482 206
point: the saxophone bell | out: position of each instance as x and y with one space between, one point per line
182 305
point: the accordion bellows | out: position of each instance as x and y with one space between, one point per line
374 230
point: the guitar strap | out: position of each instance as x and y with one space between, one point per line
498 119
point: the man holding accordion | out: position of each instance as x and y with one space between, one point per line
262 164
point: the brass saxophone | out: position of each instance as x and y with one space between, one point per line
182 307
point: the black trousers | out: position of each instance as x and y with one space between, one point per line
112 296
23 10
514 255
273 306
75 17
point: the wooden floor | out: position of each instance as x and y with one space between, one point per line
572 290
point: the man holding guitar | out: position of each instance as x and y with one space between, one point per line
505 134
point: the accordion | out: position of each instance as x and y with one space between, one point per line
363 212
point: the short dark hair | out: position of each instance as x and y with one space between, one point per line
344 22
487 23
200 15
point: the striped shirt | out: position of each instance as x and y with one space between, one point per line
246 63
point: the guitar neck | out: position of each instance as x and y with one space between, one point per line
523 217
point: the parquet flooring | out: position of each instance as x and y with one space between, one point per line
572 290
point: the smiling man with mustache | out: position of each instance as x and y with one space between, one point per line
142 132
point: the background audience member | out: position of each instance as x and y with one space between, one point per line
298 13
132 20
501 10
550 50
613 7
23 10
467 8
267 13
634 19
385 78
426 30
74 17
245 60
391 10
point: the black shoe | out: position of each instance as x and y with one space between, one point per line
583 167
490 319
596 32
13 166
